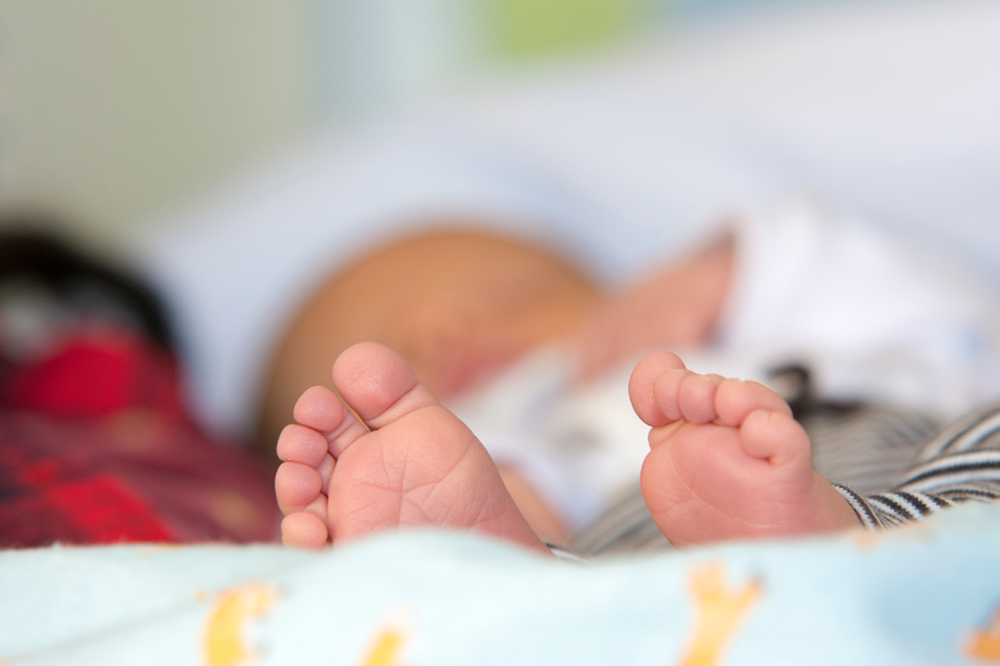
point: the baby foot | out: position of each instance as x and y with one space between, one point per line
407 462
726 460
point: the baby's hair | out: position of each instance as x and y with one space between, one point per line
29 252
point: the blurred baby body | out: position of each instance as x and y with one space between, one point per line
504 332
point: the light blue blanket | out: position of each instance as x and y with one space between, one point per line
927 594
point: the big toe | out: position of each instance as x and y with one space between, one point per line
303 530
641 387
378 384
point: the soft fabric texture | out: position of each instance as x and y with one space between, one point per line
96 448
927 594
871 316
961 464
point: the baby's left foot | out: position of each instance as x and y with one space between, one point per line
727 460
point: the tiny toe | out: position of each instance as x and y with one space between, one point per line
296 486
642 390
775 437
303 530
319 408
735 399
696 398
302 445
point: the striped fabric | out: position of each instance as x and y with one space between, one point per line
625 527
869 448
961 464
864 450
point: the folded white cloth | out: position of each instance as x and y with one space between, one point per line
872 316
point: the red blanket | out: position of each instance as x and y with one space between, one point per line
96 447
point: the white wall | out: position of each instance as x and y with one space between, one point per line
111 109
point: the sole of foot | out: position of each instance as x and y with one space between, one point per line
385 455
727 460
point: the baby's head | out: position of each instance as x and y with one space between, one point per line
458 305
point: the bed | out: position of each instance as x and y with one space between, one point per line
887 109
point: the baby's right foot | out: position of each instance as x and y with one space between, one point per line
407 462
727 460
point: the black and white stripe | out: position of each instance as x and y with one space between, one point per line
961 464
869 448
966 434
866 514
865 450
